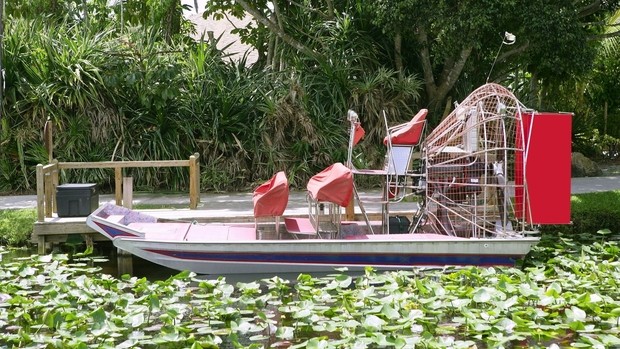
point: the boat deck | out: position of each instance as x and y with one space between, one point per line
59 229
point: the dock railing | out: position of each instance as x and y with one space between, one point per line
48 177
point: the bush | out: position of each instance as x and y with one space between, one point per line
16 226
595 145
591 212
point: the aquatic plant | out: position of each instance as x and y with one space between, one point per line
572 299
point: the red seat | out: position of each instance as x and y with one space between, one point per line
334 184
358 133
270 198
408 133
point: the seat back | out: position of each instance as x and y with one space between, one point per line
409 133
270 198
328 191
334 184
356 133
401 141
399 160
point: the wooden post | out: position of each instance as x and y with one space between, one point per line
41 247
55 182
349 212
128 192
118 185
124 262
40 194
194 181
49 194
48 138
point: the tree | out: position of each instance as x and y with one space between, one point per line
451 44
603 85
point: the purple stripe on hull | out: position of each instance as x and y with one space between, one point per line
112 232
404 260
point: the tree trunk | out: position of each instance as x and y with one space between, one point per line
437 90
398 57
605 118
448 108
330 9
271 46
534 87
427 68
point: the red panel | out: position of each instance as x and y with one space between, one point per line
547 167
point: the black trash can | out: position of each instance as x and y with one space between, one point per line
76 200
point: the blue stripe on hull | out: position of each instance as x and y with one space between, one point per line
345 259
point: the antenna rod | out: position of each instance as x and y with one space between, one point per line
509 39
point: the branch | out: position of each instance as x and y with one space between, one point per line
273 27
515 51
276 10
330 6
604 36
589 9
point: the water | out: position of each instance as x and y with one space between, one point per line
105 257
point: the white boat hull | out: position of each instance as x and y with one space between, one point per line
291 256
220 249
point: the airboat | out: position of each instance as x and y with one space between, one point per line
485 178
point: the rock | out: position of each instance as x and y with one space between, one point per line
582 166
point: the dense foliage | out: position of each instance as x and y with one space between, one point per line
16 226
569 299
451 45
126 82
141 93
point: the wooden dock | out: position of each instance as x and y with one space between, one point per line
50 229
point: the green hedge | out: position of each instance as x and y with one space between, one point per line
591 212
16 226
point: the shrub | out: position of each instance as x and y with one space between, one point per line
16 226
591 212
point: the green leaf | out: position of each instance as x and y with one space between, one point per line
99 317
389 312
604 232
137 320
576 314
373 322
27 271
554 290
482 295
316 343
285 332
506 325
610 340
